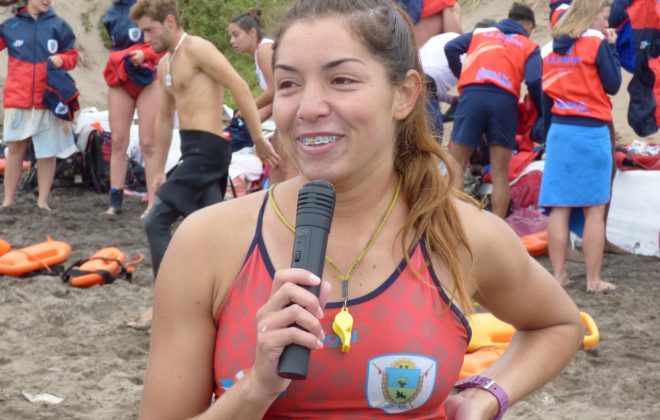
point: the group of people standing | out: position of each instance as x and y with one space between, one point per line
569 85
407 254
154 67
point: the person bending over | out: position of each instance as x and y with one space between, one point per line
498 59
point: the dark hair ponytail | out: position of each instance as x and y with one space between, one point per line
250 20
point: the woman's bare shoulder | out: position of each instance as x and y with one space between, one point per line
484 230
229 223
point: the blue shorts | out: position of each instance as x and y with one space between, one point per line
492 113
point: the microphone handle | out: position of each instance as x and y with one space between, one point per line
309 249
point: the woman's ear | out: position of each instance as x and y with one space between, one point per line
407 94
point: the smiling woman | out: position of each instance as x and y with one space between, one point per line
352 113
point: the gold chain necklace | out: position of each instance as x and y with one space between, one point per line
343 322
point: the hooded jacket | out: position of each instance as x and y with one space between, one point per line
498 58
578 75
126 38
30 42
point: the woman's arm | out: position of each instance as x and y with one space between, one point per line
264 60
518 290
179 377
67 48
200 264
204 256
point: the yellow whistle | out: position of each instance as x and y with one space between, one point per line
343 327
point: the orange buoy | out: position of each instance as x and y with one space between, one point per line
26 165
536 243
4 247
101 268
476 362
44 255
488 331
592 337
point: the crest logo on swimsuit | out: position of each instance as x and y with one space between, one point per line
52 46
134 34
398 383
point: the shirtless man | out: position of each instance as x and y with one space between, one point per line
192 77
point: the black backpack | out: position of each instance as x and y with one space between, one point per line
66 171
238 134
96 161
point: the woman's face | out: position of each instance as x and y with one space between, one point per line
600 22
240 40
334 107
38 6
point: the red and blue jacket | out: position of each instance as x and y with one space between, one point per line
126 38
557 10
639 20
498 59
577 77
30 42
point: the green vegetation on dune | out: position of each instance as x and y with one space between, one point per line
209 19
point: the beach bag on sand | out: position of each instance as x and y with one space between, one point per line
65 171
96 161
104 267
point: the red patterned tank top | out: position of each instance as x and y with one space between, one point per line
406 350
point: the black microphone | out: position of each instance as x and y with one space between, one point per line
316 204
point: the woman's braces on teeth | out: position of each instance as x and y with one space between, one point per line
313 141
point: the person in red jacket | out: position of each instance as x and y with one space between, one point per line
578 75
35 37
130 54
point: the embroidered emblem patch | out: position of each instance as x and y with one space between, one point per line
134 34
400 382
52 46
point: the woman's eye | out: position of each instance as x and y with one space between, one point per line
342 81
285 84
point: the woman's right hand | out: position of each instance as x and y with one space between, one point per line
610 35
289 303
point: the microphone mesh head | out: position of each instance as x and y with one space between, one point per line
323 184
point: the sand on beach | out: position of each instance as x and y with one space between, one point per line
74 343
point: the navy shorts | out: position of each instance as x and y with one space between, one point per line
492 113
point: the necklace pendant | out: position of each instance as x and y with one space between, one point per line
343 327
168 80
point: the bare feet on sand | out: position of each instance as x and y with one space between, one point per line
44 207
610 248
563 279
144 323
600 286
